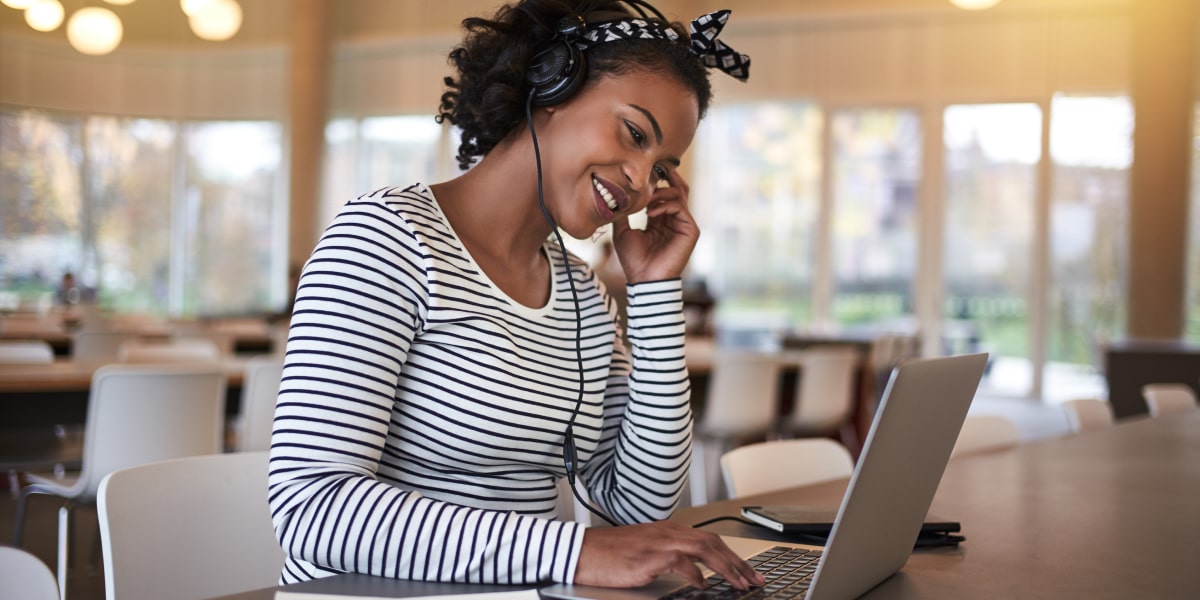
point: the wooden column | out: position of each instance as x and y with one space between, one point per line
308 104
1164 51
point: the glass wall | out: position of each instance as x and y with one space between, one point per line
992 153
1091 145
876 166
148 215
756 196
363 155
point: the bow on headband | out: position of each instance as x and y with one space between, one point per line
714 52
704 31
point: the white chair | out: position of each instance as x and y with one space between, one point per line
194 527
260 387
24 576
25 352
100 346
824 396
985 433
140 351
136 414
779 464
1164 399
1088 414
742 402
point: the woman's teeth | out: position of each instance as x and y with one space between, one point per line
604 193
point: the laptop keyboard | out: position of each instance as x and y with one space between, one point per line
788 573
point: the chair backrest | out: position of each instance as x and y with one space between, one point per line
775 465
144 413
743 394
985 433
1169 398
194 527
99 345
260 387
139 351
25 576
1088 414
25 352
825 393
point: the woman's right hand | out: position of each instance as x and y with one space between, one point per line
634 555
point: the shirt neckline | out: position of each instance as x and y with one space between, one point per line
530 311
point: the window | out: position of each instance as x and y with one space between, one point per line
231 210
1092 148
130 164
40 205
148 214
364 155
992 153
876 166
756 194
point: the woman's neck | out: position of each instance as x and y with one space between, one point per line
493 209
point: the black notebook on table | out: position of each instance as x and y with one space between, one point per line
814 524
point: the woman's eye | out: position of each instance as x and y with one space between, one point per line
638 138
660 172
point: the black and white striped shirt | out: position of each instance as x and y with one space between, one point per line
421 413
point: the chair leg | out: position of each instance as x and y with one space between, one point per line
19 526
65 514
698 477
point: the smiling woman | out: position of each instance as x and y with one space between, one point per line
449 361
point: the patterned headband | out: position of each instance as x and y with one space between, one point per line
704 42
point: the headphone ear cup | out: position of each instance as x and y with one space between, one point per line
555 73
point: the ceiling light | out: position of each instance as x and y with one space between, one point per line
191 7
18 4
119 2
974 4
218 20
94 30
44 15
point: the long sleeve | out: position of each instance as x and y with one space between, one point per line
638 471
362 300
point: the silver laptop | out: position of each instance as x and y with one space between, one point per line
889 495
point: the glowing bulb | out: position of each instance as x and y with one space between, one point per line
18 4
94 30
44 15
218 20
119 2
191 7
974 4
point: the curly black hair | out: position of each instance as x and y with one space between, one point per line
487 100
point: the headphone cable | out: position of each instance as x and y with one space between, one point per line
569 451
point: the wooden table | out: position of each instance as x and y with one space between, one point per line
1108 514
56 393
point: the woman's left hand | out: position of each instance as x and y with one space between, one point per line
662 249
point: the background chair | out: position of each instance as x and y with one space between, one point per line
1165 399
136 414
985 433
194 527
779 464
24 576
1088 414
259 390
25 352
101 346
825 395
139 351
742 403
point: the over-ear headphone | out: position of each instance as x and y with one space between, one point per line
557 70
